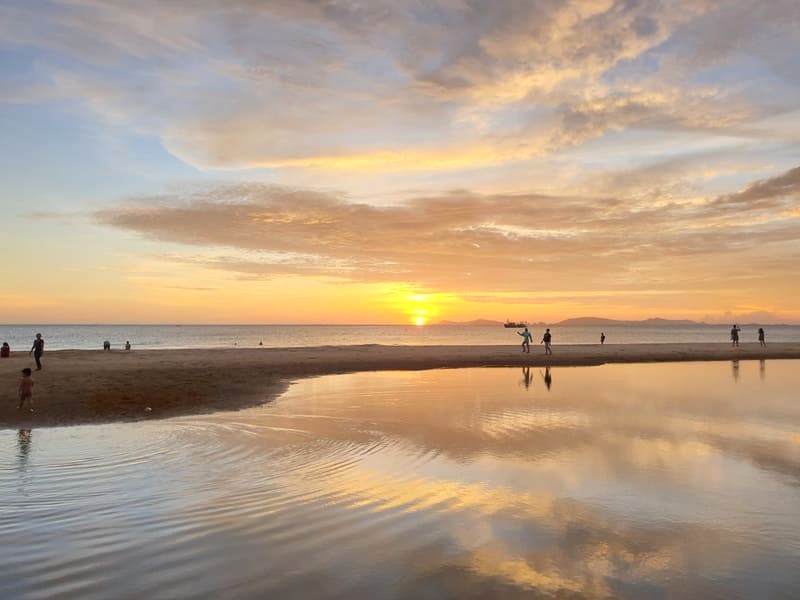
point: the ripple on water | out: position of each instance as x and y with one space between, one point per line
452 483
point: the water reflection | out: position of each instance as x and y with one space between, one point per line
735 369
625 481
762 369
24 437
527 378
547 378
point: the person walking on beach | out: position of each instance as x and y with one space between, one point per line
25 389
602 338
735 336
37 350
527 336
127 346
107 346
546 338
761 340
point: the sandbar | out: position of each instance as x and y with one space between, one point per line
92 386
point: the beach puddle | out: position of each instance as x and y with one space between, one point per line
659 480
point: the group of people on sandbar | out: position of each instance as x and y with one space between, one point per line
25 388
547 338
527 336
107 346
735 336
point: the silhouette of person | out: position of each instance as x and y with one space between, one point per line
761 340
5 351
602 338
548 380
526 340
546 338
37 350
127 346
526 377
107 345
735 335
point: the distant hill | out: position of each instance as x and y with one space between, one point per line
475 322
597 321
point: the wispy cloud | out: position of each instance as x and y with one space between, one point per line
465 241
389 86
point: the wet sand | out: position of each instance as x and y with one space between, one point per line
92 386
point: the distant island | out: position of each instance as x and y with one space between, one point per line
596 321
586 322
474 322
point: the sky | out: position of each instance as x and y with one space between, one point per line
399 161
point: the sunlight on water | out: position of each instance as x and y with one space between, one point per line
662 480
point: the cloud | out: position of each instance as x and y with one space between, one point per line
386 86
471 242
780 191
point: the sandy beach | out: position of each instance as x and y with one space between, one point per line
88 386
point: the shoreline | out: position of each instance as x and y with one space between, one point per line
92 386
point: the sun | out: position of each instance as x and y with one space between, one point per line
417 309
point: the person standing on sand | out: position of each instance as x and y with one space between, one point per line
546 339
25 388
602 338
527 336
37 350
735 336
761 340
127 346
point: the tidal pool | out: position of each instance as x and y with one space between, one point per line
660 481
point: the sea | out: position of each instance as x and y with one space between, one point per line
91 337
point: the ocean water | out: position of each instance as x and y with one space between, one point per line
59 337
624 481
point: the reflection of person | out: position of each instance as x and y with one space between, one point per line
602 338
526 377
25 389
735 369
546 338
762 369
127 346
5 351
37 350
735 335
526 340
107 345
548 380
24 441
761 340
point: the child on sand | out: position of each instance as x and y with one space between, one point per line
25 389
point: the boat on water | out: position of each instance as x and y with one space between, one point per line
514 324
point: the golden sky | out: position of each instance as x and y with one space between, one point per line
395 162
